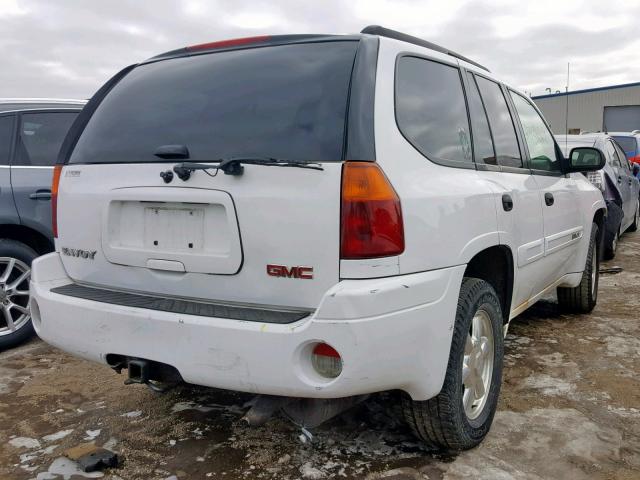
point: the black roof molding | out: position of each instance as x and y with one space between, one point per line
403 37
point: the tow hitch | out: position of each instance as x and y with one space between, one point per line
159 377
138 371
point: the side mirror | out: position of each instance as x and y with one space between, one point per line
585 159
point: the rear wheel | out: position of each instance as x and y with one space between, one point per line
15 271
460 416
583 298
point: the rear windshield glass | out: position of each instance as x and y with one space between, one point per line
287 102
628 144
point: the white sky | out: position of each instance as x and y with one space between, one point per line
68 48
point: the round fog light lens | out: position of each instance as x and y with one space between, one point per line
326 360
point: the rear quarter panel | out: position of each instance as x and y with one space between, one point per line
449 213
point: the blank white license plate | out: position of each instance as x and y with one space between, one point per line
174 229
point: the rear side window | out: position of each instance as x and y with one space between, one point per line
542 148
628 144
40 137
482 142
287 102
431 110
504 133
6 135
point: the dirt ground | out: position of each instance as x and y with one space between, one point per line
569 408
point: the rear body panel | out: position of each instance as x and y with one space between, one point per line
274 216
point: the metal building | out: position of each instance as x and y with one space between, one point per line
615 109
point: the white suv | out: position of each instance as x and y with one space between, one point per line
316 216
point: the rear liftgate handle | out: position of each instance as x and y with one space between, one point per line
548 199
507 202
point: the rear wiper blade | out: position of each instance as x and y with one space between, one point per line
234 165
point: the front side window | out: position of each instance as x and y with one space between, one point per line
542 148
6 134
504 132
41 136
431 110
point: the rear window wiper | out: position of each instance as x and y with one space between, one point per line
234 165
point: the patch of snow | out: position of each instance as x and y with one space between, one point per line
66 468
92 434
310 472
24 442
133 414
110 444
57 436
549 385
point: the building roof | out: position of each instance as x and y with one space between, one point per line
587 90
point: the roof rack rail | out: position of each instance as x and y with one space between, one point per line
386 32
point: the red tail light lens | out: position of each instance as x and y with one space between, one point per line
635 159
57 170
371 213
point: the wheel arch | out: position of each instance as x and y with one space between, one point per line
495 266
34 239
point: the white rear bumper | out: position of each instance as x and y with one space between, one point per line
392 333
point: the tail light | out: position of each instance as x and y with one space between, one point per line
635 159
371 220
597 179
57 170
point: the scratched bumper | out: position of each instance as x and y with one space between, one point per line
392 333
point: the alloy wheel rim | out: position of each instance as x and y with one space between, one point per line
477 366
14 295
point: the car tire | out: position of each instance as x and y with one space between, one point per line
449 421
15 299
636 219
583 298
611 249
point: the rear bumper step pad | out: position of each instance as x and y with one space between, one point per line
185 307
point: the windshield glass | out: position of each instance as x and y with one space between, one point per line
287 102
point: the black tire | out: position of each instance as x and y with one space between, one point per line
441 422
583 298
611 247
24 254
636 219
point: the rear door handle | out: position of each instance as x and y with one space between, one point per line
548 199
507 202
41 195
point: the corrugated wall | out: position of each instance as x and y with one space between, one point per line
585 109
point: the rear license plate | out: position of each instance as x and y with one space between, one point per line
173 229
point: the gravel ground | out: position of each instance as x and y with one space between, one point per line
569 408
